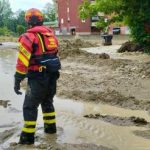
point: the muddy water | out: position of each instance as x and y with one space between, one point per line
79 129
112 52
73 127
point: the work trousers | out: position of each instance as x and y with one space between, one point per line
40 90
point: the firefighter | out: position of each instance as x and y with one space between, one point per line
38 61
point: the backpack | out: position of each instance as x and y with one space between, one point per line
48 59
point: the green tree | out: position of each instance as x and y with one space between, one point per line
135 13
5 12
12 24
5 31
20 29
17 20
20 14
49 12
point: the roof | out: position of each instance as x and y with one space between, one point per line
51 23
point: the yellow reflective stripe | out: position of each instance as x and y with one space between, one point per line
49 114
50 121
52 45
51 39
28 130
20 72
24 51
30 122
41 42
23 59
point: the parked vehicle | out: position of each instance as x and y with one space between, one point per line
116 30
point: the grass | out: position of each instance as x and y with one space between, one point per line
8 39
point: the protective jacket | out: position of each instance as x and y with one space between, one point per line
35 42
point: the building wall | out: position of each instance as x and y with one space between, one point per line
69 18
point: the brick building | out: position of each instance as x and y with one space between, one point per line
69 21
68 18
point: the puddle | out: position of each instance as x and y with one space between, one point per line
12 45
112 52
79 129
75 128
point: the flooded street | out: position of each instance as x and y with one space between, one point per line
89 115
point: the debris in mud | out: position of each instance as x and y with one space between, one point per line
138 121
108 96
71 48
76 52
145 134
7 134
82 147
145 69
1 44
13 144
64 146
130 47
76 43
42 146
122 121
104 56
4 103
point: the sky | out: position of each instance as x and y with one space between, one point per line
27 4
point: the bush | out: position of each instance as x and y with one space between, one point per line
4 31
20 29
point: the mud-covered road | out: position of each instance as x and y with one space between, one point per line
102 102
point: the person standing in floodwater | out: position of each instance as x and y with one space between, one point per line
38 61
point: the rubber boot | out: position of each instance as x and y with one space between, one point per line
26 138
50 128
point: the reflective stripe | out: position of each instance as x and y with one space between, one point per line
52 45
23 59
50 121
51 39
20 72
28 130
30 122
49 114
24 51
41 42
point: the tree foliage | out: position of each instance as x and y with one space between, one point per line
14 22
134 13
49 12
4 31
20 29
5 12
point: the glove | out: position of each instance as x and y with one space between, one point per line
17 86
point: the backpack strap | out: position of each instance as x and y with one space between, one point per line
41 41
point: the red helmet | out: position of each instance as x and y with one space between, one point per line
34 16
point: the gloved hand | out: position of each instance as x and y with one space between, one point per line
17 86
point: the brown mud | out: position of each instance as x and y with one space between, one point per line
4 103
95 79
90 77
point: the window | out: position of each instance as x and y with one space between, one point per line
83 21
62 21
